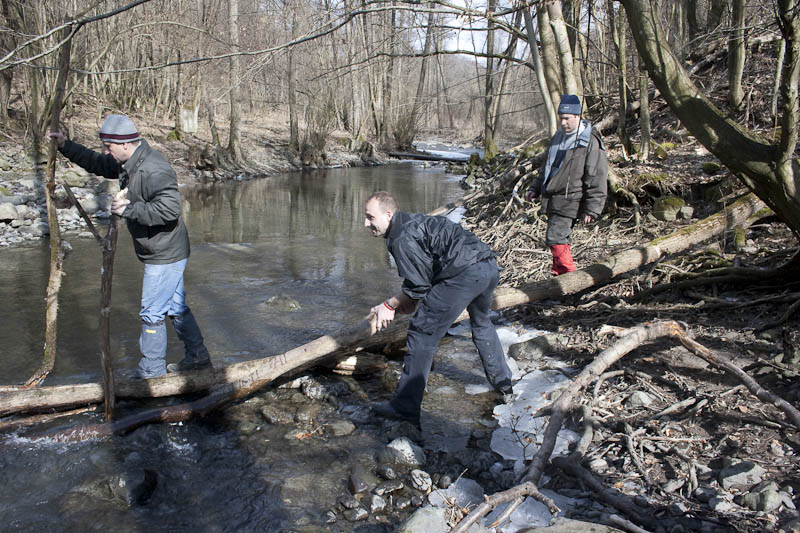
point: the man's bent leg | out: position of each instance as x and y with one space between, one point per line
484 334
158 287
430 322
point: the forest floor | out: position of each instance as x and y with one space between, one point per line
679 457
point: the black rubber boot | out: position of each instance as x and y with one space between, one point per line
196 352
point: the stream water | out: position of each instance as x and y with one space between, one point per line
298 237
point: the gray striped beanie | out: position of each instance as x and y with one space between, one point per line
118 129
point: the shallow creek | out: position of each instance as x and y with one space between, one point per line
294 238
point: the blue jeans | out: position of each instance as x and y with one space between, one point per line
162 294
162 291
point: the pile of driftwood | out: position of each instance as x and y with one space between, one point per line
661 449
500 216
650 442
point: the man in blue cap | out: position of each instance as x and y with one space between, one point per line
151 206
572 183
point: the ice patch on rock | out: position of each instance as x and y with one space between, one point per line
520 434
456 214
509 335
467 493
530 513
473 388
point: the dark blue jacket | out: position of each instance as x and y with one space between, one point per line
429 249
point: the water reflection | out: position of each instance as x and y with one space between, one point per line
298 235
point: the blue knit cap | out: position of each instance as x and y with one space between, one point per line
570 104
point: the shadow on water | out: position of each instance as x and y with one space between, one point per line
298 239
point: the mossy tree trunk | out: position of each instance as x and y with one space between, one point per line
766 168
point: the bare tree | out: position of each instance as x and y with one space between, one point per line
234 136
552 124
644 112
770 170
565 61
618 29
552 72
736 55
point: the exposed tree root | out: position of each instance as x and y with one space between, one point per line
632 338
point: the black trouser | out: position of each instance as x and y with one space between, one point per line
559 229
472 289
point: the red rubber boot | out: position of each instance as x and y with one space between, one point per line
562 259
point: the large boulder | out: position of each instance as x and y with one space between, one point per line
740 474
533 349
16 199
402 451
8 212
431 520
74 179
667 207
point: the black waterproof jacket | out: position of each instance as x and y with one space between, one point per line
429 249
154 214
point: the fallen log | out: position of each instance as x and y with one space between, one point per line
425 156
17 401
252 379
625 261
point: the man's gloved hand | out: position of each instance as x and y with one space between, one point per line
531 195
383 314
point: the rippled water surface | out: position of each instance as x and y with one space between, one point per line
293 236
298 235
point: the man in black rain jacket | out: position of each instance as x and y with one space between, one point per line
445 269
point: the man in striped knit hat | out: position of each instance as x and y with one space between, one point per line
150 203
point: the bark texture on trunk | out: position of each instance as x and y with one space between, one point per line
769 170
